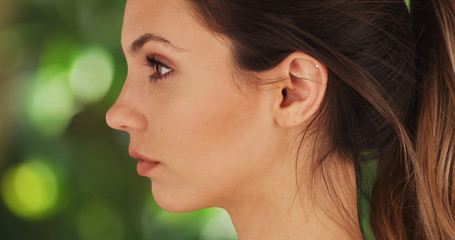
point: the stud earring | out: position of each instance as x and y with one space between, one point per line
317 66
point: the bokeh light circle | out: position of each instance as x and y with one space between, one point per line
219 227
30 189
92 74
51 105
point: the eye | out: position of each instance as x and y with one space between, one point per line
160 70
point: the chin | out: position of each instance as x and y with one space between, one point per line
177 203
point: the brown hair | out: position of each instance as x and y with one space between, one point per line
390 93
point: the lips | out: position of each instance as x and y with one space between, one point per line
145 165
139 156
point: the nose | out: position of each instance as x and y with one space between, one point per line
125 114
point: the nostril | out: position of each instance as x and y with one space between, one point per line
115 117
111 120
121 117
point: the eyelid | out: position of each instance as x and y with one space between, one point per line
154 63
160 58
154 58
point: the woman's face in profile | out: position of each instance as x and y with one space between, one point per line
213 137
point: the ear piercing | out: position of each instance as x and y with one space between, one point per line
317 66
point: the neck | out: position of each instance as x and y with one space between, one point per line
282 212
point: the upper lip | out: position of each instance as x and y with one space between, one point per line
134 154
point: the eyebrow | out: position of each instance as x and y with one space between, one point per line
137 44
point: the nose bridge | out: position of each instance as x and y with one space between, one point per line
126 112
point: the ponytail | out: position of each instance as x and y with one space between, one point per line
414 195
435 138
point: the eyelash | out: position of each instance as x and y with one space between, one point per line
157 67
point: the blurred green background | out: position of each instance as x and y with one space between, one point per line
63 173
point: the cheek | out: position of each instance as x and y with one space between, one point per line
209 140
205 127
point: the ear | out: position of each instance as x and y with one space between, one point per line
302 90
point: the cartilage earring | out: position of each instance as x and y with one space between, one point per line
317 66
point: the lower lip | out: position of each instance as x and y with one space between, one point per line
144 167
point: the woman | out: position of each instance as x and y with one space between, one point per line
273 110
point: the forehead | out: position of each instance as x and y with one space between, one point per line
171 19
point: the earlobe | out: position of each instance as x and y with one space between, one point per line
302 92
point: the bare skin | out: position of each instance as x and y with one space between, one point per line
219 143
